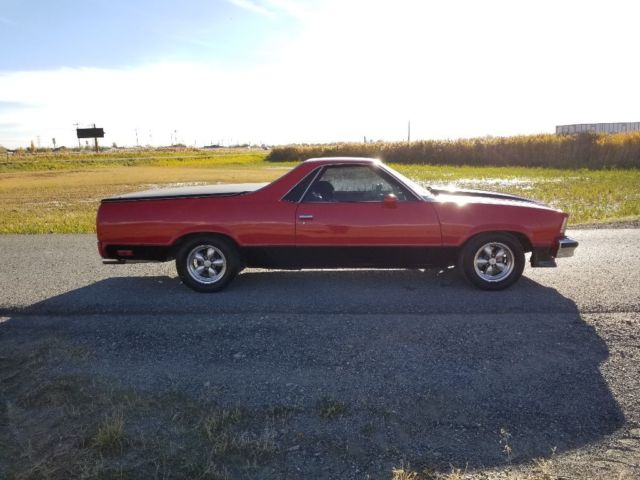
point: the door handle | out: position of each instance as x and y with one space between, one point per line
305 217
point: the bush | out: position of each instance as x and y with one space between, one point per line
595 151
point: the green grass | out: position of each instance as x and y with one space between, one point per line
329 408
21 162
110 436
47 193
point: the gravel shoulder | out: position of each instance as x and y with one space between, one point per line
319 374
629 223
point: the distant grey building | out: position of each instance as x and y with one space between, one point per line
598 128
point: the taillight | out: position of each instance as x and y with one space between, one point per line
563 227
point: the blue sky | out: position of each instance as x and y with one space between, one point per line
279 71
117 33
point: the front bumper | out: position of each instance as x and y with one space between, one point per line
566 247
546 256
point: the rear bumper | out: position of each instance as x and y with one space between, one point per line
119 254
566 247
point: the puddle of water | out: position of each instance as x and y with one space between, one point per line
486 183
498 182
52 203
151 186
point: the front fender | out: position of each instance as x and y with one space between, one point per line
460 222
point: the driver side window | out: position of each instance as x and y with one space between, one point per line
352 183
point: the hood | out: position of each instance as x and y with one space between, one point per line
189 192
447 194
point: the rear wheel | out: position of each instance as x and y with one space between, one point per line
492 261
208 263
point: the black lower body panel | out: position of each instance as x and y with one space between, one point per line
348 257
290 257
542 257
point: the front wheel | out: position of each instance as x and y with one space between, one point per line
207 264
492 261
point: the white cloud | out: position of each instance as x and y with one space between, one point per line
253 7
301 10
270 8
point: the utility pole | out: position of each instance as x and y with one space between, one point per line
95 139
409 132
53 140
137 144
79 144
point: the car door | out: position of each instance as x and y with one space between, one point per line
360 215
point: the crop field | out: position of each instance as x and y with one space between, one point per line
59 193
595 151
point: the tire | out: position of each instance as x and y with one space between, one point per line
207 263
492 261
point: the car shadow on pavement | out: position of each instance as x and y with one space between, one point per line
427 369
309 291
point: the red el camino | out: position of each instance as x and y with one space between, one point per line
330 213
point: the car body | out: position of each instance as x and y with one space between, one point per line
331 213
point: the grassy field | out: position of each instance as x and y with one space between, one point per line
589 196
45 193
178 157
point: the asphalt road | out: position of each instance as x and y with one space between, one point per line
63 274
428 367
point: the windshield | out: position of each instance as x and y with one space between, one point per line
412 184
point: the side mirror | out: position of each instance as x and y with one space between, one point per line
390 201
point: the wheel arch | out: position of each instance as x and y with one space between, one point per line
177 243
524 240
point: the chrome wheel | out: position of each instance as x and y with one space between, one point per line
494 261
206 264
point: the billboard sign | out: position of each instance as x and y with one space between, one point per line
90 132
